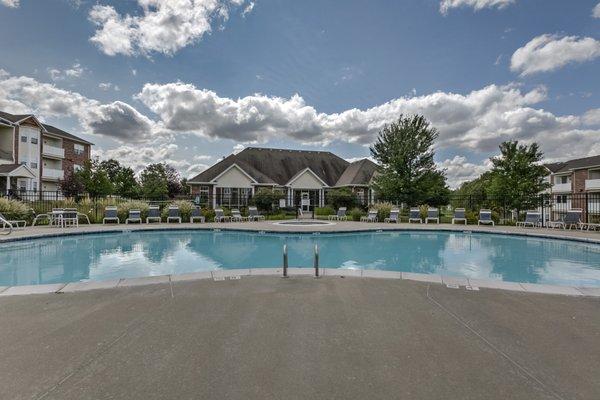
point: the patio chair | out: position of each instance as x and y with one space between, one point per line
253 214
571 218
174 214
370 217
236 215
340 216
394 215
15 223
220 216
69 217
134 216
110 214
51 217
196 215
433 214
153 214
415 215
485 217
459 216
532 218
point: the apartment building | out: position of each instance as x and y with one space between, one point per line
36 156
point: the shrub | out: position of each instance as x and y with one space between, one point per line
14 209
341 198
209 214
123 209
355 214
264 199
383 210
324 211
185 209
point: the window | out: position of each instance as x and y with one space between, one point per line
561 179
594 174
34 186
23 139
34 140
78 149
77 167
34 165
561 199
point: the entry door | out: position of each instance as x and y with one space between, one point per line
305 201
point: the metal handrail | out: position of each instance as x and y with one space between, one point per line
285 261
316 264
4 224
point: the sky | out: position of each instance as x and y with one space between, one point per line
190 81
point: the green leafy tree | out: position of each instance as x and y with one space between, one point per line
264 199
154 181
517 176
112 168
94 179
342 197
72 185
126 185
407 173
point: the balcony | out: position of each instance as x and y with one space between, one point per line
55 152
592 184
561 187
50 173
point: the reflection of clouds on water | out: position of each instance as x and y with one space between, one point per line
483 256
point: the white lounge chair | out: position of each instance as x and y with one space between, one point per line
415 215
340 216
236 215
15 223
253 214
220 216
459 216
571 219
197 215
134 216
370 217
174 214
394 216
532 218
153 214
433 214
485 217
110 215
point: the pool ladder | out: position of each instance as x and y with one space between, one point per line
286 264
5 223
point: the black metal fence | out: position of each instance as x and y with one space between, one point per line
505 211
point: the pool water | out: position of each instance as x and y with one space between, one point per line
133 254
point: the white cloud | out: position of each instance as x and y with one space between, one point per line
248 9
446 5
75 71
163 26
459 170
596 11
107 86
550 52
10 3
592 118
118 120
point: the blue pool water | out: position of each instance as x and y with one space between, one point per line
133 254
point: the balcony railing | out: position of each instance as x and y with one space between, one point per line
592 184
50 173
52 151
561 187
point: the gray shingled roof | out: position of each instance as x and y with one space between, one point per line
358 173
7 168
54 130
578 163
51 129
279 166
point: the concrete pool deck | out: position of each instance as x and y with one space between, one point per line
299 338
272 226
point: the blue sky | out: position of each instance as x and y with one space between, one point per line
188 81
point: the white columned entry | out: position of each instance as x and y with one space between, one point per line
7 184
289 197
214 197
321 197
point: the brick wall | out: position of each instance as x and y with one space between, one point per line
71 158
579 178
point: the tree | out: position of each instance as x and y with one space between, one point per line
342 197
517 176
94 179
154 181
112 168
173 180
407 172
264 199
125 183
72 185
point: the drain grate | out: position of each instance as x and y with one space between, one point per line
218 278
235 278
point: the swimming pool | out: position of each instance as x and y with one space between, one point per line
113 255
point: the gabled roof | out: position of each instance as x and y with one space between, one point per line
15 118
579 163
59 132
16 170
300 173
278 166
358 173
